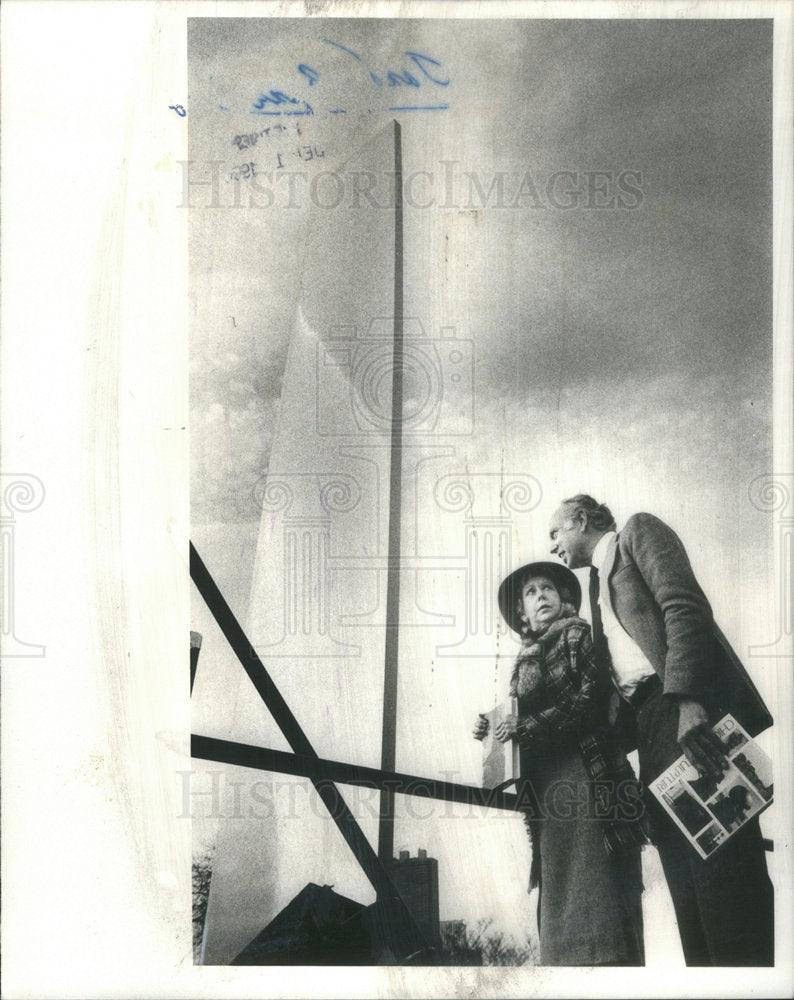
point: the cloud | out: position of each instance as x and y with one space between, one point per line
233 415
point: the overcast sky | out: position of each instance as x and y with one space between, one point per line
622 350
588 313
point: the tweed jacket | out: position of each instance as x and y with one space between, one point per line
658 601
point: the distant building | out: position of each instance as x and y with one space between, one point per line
453 933
456 948
416 880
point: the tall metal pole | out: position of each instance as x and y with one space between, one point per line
388 758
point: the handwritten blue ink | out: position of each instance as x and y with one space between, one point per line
178 108
279 97
422 70
309 110
344 48
417 56
400 78
274 97
426 107
311 74
373 76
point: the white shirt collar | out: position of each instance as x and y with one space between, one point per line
600 551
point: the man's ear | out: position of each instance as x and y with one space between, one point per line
580 518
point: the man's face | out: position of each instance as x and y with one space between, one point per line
570 540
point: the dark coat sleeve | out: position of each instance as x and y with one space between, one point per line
662 562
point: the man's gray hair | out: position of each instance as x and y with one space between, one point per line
598 514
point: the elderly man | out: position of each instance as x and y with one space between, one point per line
676 674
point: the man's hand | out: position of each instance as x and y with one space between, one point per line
507 728
698 741
481 728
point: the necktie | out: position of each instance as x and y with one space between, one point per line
599 642
601 651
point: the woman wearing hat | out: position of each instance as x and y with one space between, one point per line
582 804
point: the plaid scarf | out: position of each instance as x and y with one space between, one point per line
563 694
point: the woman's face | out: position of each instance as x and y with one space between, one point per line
540 602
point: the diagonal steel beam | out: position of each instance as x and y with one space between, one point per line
399 928
319 768
195 649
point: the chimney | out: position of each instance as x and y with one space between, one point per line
416 880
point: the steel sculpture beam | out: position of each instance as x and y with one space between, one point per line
321 769
398 928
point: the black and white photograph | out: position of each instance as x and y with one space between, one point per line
757 770
734 804
429 389
445 301
711 838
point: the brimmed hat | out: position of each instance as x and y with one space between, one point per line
510 588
